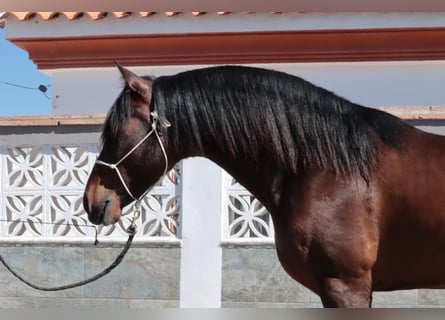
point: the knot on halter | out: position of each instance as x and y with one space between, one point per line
158 119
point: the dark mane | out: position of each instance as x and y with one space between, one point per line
254 114
261 114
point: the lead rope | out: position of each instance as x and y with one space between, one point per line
131 230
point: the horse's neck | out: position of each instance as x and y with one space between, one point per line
266 181
262 180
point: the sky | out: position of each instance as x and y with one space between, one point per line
17 70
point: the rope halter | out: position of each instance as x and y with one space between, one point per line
154 129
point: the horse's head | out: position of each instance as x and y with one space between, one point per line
132 158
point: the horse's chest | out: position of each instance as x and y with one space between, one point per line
293 253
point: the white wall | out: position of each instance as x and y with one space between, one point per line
93 90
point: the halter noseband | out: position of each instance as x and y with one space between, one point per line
154 129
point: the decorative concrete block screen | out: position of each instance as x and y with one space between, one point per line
245 219
41 198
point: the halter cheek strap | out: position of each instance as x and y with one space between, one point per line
154 129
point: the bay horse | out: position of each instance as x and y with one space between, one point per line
357 196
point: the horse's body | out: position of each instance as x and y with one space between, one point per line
356 195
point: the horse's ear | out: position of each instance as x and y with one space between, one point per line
135 83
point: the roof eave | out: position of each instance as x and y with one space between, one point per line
2 19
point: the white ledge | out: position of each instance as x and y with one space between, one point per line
104 242
248 242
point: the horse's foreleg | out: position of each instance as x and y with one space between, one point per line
346 293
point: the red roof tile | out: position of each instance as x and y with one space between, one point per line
23 16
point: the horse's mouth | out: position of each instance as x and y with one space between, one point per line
103 214
108 214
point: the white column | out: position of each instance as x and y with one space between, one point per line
201 254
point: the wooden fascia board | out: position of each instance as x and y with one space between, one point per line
237 47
